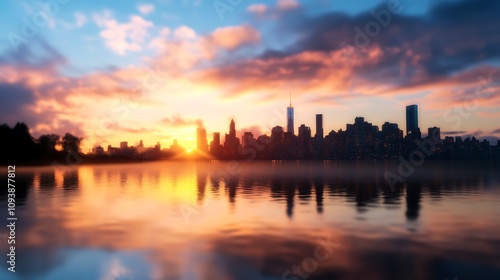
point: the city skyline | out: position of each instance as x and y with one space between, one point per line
359 140
110 71
412 128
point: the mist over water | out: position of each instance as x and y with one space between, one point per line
260 220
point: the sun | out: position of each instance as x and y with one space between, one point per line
189 151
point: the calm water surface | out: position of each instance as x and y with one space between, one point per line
265 220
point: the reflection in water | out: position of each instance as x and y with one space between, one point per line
413 189
70 179
105 221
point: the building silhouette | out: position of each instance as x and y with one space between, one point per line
317 143
412 121
201 139
319 126
392 141
123 145
289 118
434 133
231 143
216 149
277 140
304 140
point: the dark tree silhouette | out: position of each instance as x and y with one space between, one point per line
48 142
17 146
71 143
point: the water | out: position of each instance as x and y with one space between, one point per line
262 220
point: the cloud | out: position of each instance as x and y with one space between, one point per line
477 133
411 54
32 90
16 101
80 19
183 50
185 33
118 127
496 131
232 37
146 8
461 132
123 37
257 9
287 4
179 121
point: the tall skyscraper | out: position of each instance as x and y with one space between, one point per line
319 126
318 141
231 143
201 139
304 139
232 128
412 119
289 117
215 146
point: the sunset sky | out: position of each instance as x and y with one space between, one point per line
113 71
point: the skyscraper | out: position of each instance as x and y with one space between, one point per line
317 144
201 139
319 126
289 117
304 142
215 146
412 119
231 143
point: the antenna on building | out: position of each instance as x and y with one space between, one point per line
290 99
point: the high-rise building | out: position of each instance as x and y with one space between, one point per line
232 128
434 133
277 134
318 141
392 139
215 146
412 119
289 118
248 140
201 139
231 143
319 126
304 140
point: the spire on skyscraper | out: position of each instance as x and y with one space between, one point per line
232 127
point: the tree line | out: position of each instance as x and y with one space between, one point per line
17 145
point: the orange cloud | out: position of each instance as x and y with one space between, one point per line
257 8
234 36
